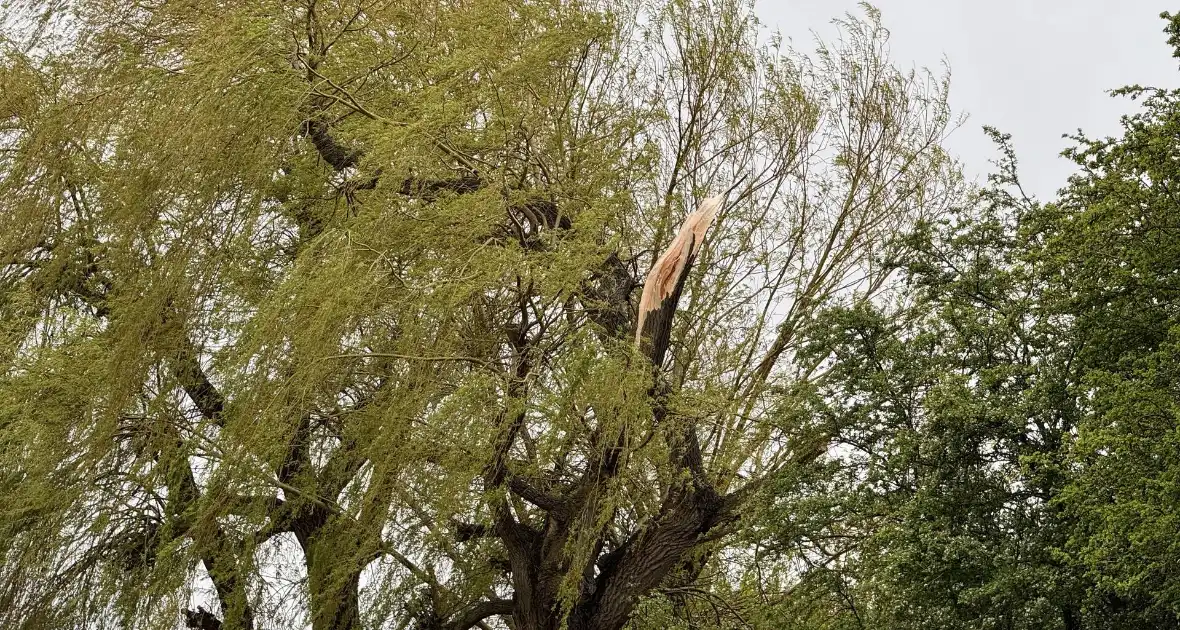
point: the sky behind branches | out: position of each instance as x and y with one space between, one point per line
1036 69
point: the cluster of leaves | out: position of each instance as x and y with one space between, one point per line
1008 428
322 313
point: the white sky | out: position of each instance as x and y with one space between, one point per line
1033 68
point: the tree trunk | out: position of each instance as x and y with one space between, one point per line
330 552
333 581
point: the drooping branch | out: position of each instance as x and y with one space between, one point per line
528 217
183 492
245 505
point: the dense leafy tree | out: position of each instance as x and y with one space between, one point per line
324 313
1118 260
340 315
935 510
1007 426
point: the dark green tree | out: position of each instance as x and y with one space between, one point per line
1008 425
936 508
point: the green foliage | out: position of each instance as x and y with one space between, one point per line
323 313
1007 428
1116 248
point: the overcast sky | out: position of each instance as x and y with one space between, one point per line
1033 68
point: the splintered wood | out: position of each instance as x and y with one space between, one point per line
666 275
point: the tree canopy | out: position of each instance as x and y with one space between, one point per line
325 313
1009 427
563 314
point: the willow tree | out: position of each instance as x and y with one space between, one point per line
325 313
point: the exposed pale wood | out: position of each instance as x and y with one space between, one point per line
667 275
